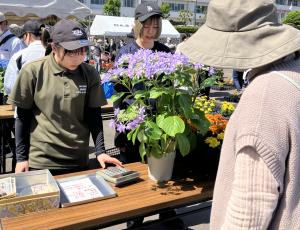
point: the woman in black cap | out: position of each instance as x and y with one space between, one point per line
59 101
147 29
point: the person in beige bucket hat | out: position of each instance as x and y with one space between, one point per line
258 178
242 35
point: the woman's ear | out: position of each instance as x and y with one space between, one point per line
54 48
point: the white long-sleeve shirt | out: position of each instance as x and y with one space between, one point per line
10 47
35 50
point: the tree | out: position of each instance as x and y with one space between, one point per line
292 19
112 7
165 9
185 16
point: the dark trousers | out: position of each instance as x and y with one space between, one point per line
238 80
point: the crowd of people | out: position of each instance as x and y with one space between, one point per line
58 99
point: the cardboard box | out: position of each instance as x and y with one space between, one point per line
36 191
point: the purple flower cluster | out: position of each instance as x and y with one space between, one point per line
128 125
146 63
211 70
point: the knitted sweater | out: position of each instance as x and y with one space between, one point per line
262 137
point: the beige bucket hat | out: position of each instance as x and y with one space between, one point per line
241 34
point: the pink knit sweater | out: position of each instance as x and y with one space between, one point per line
258 180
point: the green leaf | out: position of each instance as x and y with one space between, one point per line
157 92
183 144
185 102
155 150
129 135
152 130
135 134
163 103
141 136
142 151
117 96
159 119
163 141
208 82
202 123
139 94
173 125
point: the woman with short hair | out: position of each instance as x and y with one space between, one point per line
147 29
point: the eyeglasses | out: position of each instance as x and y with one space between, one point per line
80 51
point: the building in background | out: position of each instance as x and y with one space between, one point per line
196 7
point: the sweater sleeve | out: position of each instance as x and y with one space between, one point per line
254 194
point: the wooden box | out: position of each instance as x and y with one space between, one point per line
35 191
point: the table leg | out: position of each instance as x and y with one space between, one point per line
3 153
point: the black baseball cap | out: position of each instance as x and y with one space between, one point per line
146 10
70 35
32 26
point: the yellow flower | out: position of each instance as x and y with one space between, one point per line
212 142
220 136
227 108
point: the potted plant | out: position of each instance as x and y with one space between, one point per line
204 159
162 116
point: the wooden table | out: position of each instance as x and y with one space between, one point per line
6 115
139 199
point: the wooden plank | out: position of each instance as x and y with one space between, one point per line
138 199
6 112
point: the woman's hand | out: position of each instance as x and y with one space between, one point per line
22 167
104 158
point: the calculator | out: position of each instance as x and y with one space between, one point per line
118 175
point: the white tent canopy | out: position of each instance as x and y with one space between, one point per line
121 26
44 8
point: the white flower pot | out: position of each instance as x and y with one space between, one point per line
161 169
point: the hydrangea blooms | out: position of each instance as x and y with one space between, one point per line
148 64
161 88
128 120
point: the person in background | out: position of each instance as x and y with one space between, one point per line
46 39
106 45
121 44
59 101
258 179
31 35
16 30
238 81
112 49
9 43
169 44
147 29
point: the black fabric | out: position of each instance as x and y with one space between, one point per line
22 133
145 10
32 26
70 35
6 39
94 119
131 48
19 62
